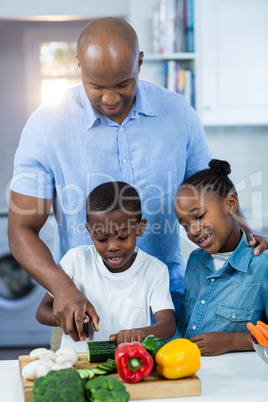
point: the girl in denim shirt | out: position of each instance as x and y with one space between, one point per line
226 285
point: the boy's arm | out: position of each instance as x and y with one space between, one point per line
217 343
164 328
44 313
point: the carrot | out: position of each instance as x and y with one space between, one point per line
263 330
257 334
262 324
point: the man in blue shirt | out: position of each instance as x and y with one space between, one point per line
111 127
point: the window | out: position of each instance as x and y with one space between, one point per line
59 69
50 62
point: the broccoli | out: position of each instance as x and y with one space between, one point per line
107 389
63 385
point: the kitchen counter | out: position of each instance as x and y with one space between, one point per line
230 377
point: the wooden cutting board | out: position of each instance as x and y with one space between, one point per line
151 387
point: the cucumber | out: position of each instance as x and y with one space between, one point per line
85 373
111 362
107 367
100 351
98 371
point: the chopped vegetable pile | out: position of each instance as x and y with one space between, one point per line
106 389
64 385
259 332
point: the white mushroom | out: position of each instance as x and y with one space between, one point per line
66 354
30 370
44 359
62 365
43 369
35 354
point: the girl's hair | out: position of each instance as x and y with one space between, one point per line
213 180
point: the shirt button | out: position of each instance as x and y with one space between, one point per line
203 301
233 316
124 161
120 129
212 280
194 327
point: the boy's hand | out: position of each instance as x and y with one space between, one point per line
128 335
213 343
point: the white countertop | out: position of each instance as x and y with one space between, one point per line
230 377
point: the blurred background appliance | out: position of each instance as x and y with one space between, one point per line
20 295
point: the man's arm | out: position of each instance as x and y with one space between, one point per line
260 242
26 217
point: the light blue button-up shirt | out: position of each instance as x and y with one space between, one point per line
68 149
226 299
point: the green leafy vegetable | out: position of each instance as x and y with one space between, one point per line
63 385
107 389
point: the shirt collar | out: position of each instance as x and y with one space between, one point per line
239 259
142 106
90 113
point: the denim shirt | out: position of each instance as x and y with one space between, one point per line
225 300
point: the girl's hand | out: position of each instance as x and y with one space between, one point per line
260 242
213 343
128 335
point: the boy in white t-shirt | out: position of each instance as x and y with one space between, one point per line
124 284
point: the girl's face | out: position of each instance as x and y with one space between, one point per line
209 221
114 237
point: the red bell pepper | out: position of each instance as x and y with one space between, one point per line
133 361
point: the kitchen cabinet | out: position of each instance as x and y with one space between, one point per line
233 66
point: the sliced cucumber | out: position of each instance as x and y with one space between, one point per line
85 373
107 367
111 362
100 351
98 371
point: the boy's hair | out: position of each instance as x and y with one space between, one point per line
113 196
213 180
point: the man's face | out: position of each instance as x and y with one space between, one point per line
110 76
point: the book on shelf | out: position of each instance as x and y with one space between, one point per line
173 26
179 80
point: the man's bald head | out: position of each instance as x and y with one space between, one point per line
107 29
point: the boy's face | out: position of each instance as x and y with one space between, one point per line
209 221
114 237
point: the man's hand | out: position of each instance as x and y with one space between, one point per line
128 335
259 242
70 307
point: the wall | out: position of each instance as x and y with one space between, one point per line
245 148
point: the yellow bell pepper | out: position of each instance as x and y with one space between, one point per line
177 359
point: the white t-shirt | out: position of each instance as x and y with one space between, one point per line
219 259
122 300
